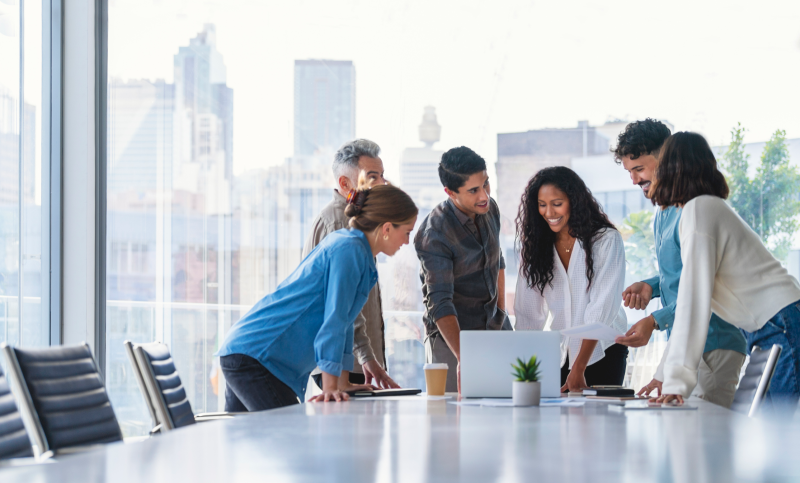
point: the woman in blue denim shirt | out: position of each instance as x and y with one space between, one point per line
269 354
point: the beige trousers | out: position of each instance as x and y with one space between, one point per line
718 376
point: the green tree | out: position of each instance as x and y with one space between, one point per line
640 245
769 201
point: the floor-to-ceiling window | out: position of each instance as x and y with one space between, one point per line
23 315
223 117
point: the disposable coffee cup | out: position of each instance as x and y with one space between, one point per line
435 378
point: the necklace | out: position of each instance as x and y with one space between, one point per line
570 246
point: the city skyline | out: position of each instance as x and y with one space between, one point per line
495 70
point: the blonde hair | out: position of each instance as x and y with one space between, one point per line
369 208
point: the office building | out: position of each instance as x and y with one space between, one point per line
419 166
324 105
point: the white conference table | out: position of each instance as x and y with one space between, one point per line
416 440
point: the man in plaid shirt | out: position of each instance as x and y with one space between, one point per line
463 270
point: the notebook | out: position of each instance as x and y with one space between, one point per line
608 391
385 392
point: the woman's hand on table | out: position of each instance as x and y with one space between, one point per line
330 396
675 399
655 384
576 381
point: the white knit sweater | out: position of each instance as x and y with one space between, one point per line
727 270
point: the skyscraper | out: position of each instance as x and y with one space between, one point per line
204 105
324 105
139 136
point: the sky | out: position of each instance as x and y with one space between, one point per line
487 67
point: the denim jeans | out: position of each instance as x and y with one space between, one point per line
782 329
251 387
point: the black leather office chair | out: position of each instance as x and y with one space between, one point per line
755 382
162 388
63 397
14 441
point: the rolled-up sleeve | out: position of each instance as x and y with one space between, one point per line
333 345
664 316
437 266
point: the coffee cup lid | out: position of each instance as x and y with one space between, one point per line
439 365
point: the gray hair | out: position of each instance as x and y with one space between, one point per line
345 163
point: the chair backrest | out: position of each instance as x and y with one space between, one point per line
756 379
137 372
64 396
14 441
164 385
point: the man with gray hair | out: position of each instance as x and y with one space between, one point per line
350 161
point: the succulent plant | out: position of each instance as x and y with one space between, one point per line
526 371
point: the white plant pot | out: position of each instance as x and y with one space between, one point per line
526 393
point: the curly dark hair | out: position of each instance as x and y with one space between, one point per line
536 241
640 138
457 165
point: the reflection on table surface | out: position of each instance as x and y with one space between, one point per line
432 440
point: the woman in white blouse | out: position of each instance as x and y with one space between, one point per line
572 268
727 270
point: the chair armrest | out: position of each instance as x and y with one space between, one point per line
215 416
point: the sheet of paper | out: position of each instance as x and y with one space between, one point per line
466 402
566 402
647 406
508 403
498 403
592 332
433 398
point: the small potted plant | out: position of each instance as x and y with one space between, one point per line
526 389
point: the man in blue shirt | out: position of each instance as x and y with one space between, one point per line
724 352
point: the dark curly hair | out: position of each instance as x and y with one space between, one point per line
640 138
457 165
536 241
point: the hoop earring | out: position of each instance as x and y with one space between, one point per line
385 237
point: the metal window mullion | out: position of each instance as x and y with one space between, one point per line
52 149
21 165
101 181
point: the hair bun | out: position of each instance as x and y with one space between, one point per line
355 201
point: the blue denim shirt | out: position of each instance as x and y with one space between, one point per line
308 320
721 335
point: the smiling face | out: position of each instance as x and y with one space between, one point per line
372 169
472 198
554 207
397 236
642 170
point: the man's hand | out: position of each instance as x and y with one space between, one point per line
637 296
639 334
576 381
373 370
655 384
356 387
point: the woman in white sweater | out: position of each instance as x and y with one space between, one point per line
727 270
572 268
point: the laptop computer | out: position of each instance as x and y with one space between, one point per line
487 355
